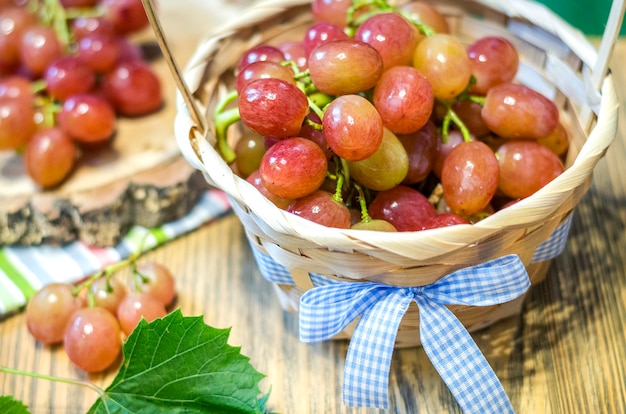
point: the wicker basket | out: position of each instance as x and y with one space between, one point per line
556 60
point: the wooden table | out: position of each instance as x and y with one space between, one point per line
565 354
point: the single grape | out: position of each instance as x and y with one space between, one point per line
443 149
133 88
470 113
469 178
525 167
100 51
257 182
422 149
342 67
108 294
87 118
17 122
16 87
249 151
293 51
49 157
319 33
314 134
404 99
92 340
293 168
392 36
494 60
260 53
262 70
159 281
14 21
353 127
39 47
273 107
49 310
69 75
428 14
83 26
331 11
443 60
127 16
516 111
374 225
384 169
404 207
321 208
138 305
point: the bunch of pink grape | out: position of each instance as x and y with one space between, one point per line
378 118
92 318
68 69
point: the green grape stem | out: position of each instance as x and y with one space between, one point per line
223 119
70 381
452 117
365 217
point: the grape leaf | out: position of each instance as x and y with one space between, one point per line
10 405
179 364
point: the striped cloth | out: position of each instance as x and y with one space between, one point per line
23 270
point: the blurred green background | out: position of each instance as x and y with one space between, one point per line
587 15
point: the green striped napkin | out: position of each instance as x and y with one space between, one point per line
23 270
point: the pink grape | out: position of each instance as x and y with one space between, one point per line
257 182
293 51
353 127
17 122
159 281
273 107
293 168
427 14
260 53
40 47
262 70
526 167
320 33
133 88
138 305
108 295
342 67
422 149
87 118
49 310
92 339
494 60
516 111
331 11
444 220
405 208
469 178
321 208
404 99
392 36
69 75
49 156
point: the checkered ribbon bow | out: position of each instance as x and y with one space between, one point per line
326 310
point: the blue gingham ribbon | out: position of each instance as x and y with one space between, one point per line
331 305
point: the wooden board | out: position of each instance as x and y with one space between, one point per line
140 179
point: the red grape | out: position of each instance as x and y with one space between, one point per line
525 167
494 60
347 66
84 26
427 14
49 156
294 52
160 282
404 99
293 168
331 11
257 182
405 208
101 52
353 127
273 107
133 88
87 118
315 135
392 36
262 70
321 208
516 111
49 310
17 122
108 294
69 75
422 149
40 47
137 305
319 33
92 340
127 16
14 21
470 113
261 53
469 178
444 220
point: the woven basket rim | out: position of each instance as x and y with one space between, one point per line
524 213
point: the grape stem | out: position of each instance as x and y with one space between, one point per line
223 119
365 217
452 116
70 381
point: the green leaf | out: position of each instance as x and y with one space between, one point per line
181 365
10 405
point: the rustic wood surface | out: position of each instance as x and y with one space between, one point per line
565 354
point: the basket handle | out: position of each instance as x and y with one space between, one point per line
609 38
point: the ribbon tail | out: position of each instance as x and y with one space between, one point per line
459 361
366 373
